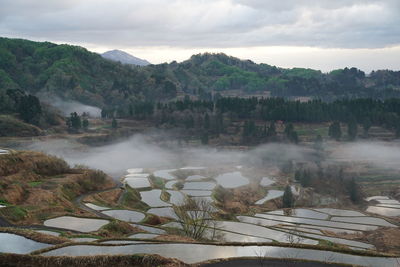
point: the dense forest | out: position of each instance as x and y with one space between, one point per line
72 72
259 115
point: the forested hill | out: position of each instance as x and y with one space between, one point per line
74 73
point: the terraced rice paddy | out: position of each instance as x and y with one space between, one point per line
232 180
208 252
11 243
76 223
125 215
386 207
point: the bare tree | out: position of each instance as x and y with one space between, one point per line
194 215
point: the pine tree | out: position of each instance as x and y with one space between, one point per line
353 191
287 199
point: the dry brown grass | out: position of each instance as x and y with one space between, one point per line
38 186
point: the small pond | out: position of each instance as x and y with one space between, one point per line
77 224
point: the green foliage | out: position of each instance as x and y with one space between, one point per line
13 213
74 122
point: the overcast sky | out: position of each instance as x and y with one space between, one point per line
322 34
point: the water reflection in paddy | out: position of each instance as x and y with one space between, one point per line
48 232
339 212
197 193
268 220
152 198
265 181
11 243
259 231
150 229
194 177
390 212
135 170
199 186
165 174
272 194
95 207
176 197
137 175
232 180
125 215
169 184
77 224
364 220
164 212
137 182
208 252
144 235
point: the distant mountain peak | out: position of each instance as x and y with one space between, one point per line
125 58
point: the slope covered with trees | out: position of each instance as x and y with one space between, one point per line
74 73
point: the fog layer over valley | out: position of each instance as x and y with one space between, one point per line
141 151
69 106
380 154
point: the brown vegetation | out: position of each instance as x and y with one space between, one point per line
37 186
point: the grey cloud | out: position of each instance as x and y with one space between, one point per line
207 23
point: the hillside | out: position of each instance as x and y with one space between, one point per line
124 58
35 186
72 72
